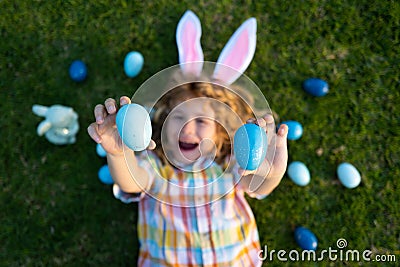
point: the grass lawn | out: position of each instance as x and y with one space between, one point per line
55 211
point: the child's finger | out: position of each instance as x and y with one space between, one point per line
93 133
124 100
243 172
261 122
282 135
269 118
111 105
281 153
100 113
270 123
152 145
251 120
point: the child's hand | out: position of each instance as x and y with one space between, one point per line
104 130
274 165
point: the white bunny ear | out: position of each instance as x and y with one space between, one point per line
188 35
40 110
43 127
237 53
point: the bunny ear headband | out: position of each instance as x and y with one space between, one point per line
234 58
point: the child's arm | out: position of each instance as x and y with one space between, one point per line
130 178
268 176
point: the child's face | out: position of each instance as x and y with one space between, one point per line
190 131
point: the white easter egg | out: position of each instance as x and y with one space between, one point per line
299 173
348 175
134 126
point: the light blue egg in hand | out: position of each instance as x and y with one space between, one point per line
250 146
134 126
348 175
133 64
299 173
105 175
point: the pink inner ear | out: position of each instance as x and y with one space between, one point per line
189 41
235 61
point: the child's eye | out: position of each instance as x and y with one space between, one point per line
177 117
202 121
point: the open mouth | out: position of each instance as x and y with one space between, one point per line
187 146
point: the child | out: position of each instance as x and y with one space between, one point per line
192 208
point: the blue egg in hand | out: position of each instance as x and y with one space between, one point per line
299 173
250 146
348 175
295 130
78 71
316 87
105 175
134 126
133 64
305 238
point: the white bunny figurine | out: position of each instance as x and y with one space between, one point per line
61 123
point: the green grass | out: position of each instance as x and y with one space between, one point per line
54 210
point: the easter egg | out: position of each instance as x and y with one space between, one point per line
78 71
133 63
105 175
295 130
250 146
348 175
299 173
134 126
100 151
316 87
305 238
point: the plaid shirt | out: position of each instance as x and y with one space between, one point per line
198 218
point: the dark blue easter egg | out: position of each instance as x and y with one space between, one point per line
250 146
295 130
134 126
105 175
133 63
348 175
305 238
78 71
316 87
299 173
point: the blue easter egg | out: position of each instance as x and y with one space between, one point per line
250 146
299 173
134 126
133 63
316 87
348 175
295 130
78 71
100 151
105 175
305 238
